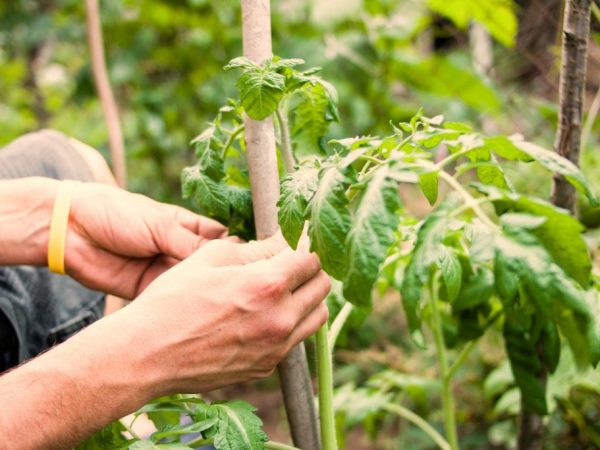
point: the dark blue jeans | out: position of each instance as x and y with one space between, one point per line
39 309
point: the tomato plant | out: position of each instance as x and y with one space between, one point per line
484 257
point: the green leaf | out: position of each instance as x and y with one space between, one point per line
451 271
111 436
209 145
240 199
241 62
497 16
236 427
314 109
417 274
373 227
561 233
330 221
504 147
554 295
550 341
210 195
526 367
556 163
178 430
491 174
429 185
260 92
357 404
297 189
276 63
475 290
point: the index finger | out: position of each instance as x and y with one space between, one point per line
197 224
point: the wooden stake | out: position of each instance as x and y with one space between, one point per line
576 33
107 99
264 180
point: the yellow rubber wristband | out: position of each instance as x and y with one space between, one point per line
58 227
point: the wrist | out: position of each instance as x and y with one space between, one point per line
25 214
108 363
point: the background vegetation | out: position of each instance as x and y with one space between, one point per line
387 58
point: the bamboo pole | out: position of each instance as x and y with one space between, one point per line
264 180
107 99
576 33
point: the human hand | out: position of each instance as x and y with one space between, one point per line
118 242
227 314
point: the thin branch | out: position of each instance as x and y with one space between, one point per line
287 154
407 414
107 99
338 323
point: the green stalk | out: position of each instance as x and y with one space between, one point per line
279 446
271 445
440 346
325 376
234 134
199 442
419 422
338 324
129 429
460 359
468 199
287 155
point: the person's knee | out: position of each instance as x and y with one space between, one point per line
95 162
50 153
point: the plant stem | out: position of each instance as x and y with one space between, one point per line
467 206
454 156
234 134
325 376
440 346
198 442
419 422
468 199
287 154
130 431
338 323
371 159
460 359
279 446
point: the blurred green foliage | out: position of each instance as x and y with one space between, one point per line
165 60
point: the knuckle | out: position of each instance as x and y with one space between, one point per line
273 285
282 328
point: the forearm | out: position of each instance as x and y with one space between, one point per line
25 212
66 394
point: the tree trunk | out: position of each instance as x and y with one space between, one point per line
264 180
107 99
576 33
